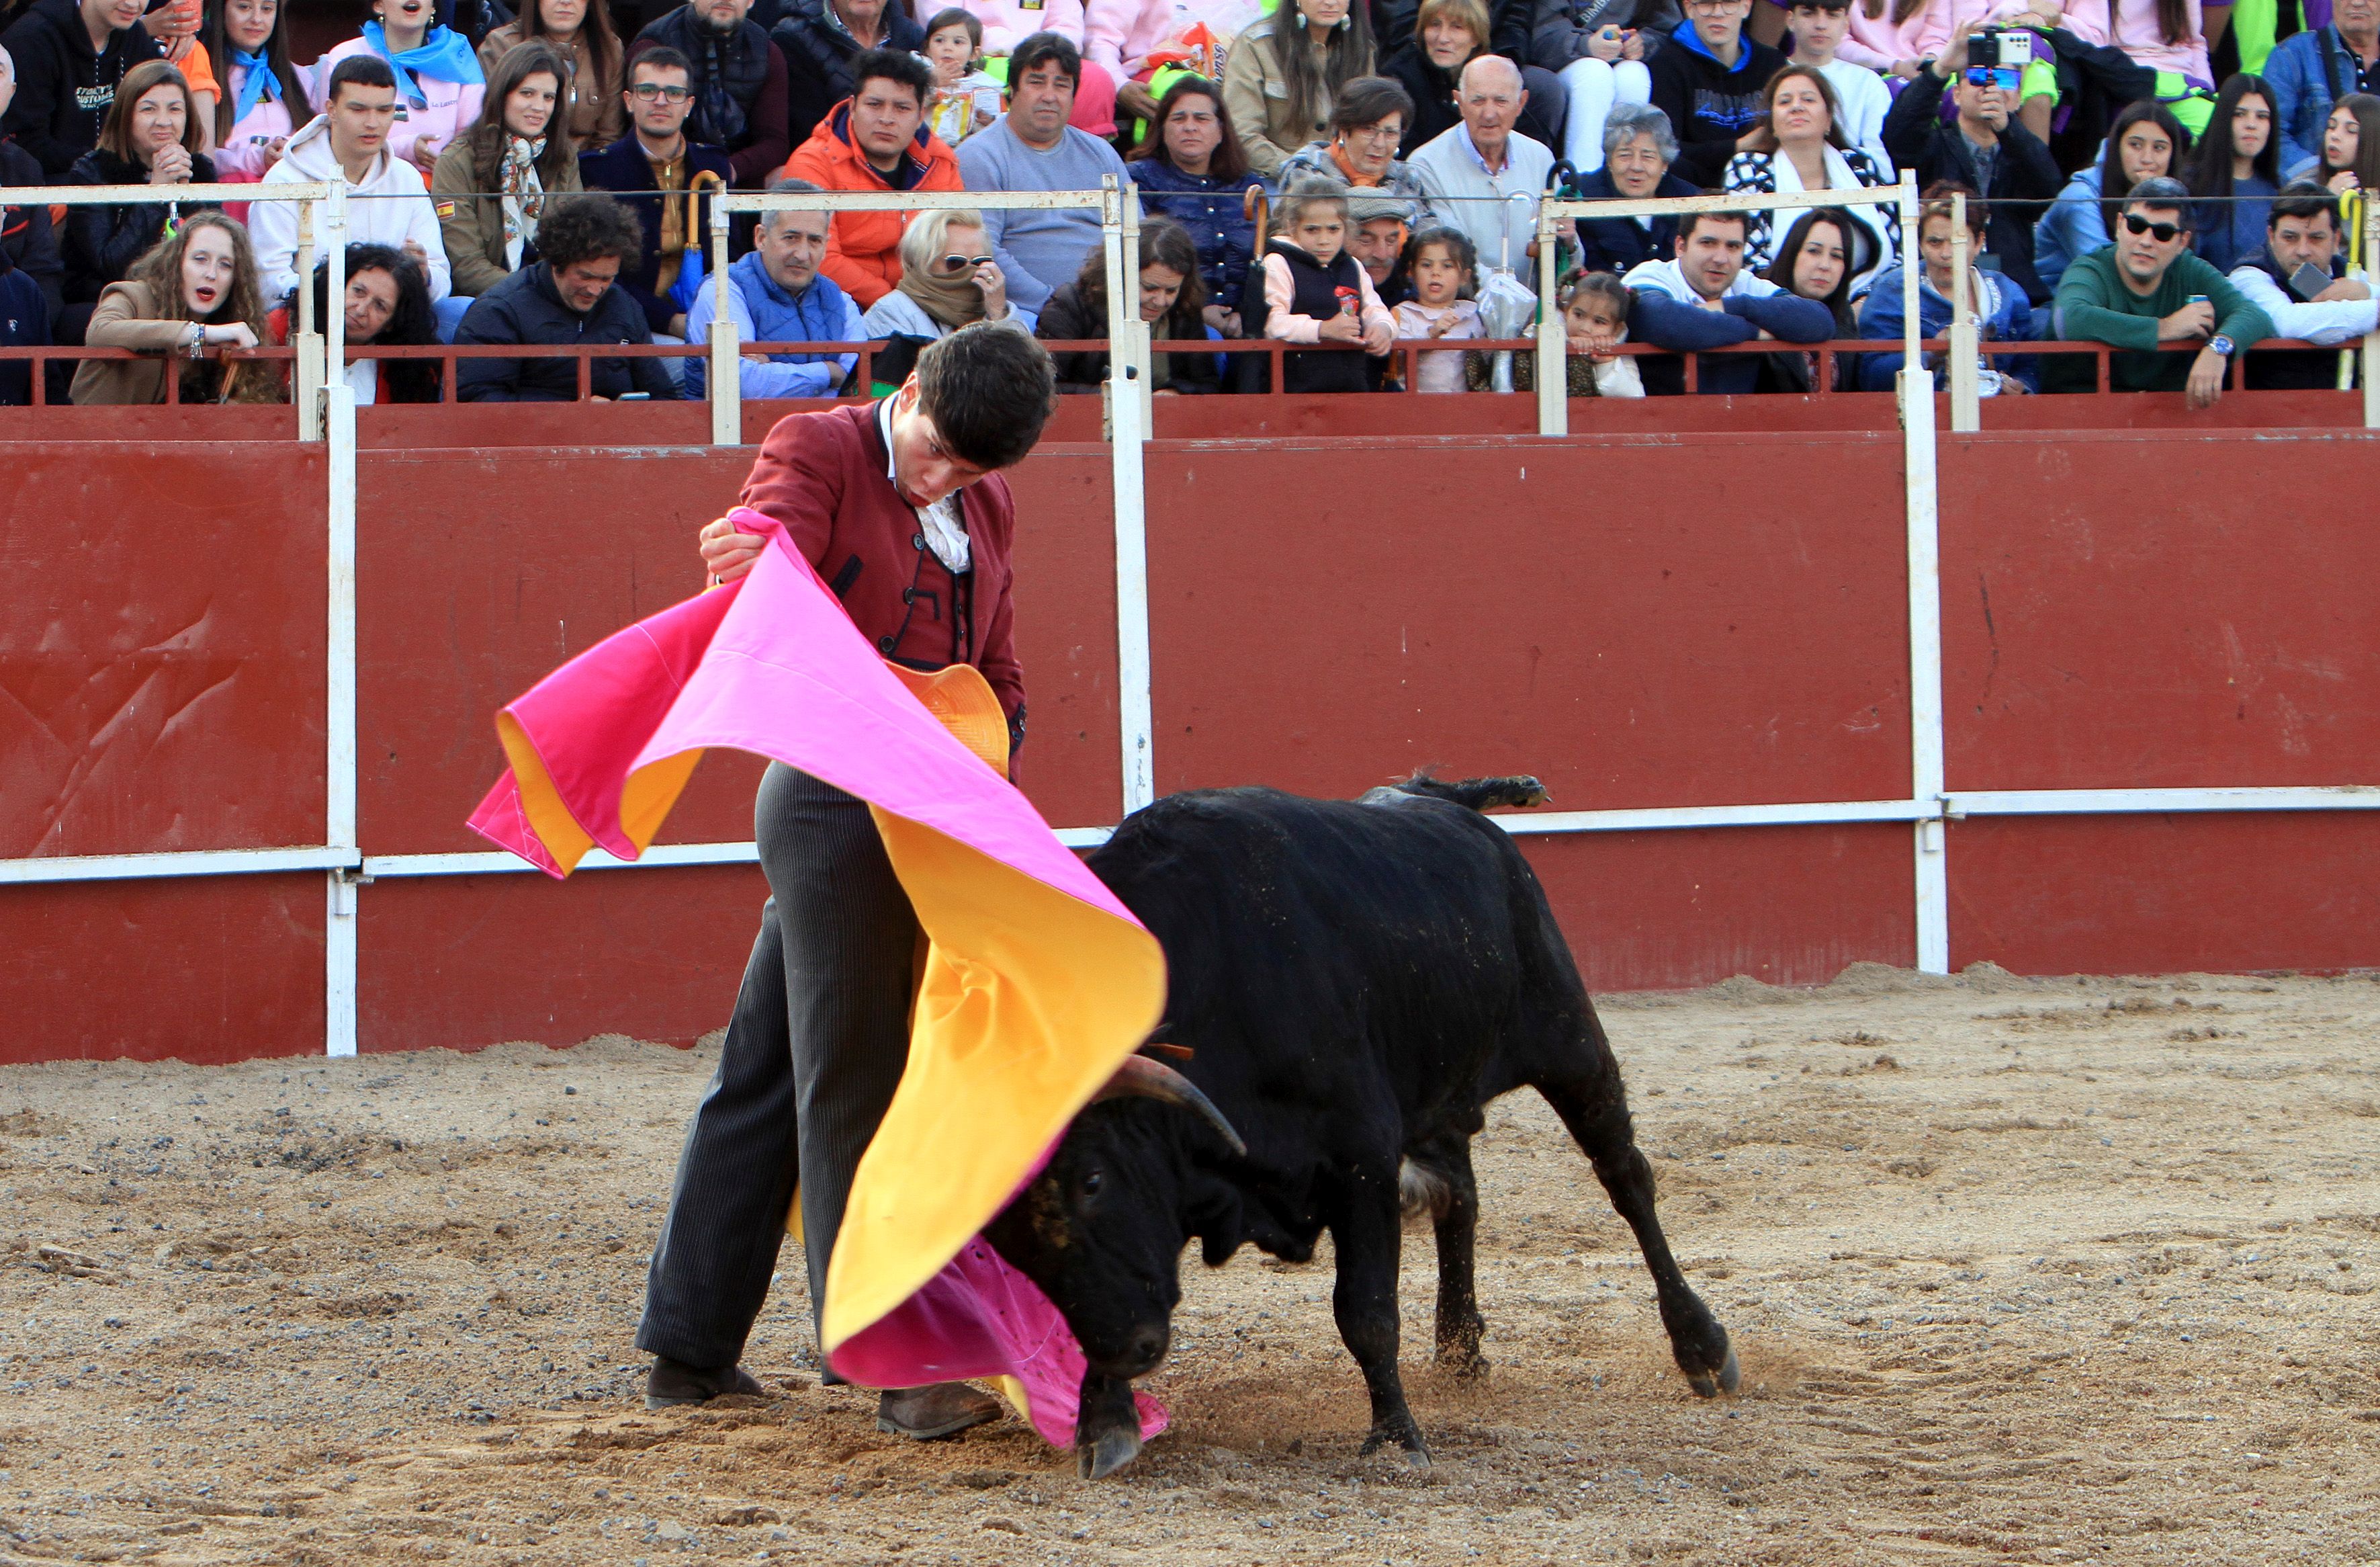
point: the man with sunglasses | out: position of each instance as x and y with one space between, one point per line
875 140
652 169
1987 149
2148 288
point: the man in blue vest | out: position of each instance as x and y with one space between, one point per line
778 294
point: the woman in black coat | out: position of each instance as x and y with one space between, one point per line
1171 301
152 137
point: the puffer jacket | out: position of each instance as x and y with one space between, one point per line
863 249
818 51
527 308
104 242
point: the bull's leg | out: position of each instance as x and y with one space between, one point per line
1107 1427
1366 1233
1459 1325
1593 1105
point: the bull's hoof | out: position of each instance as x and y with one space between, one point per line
1463 1361
1414 1451
1106 1454
1707 1386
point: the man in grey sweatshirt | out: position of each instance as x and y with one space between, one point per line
1033 148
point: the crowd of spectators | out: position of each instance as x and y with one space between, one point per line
1339 176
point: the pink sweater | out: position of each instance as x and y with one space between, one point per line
1120 33
1879 43
2137 34
1007 24
241 157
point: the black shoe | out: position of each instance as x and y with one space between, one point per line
672 1383
941 1409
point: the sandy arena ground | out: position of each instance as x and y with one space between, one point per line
2018 1271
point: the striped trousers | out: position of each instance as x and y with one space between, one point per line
816 1047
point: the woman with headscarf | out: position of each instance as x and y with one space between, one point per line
948 280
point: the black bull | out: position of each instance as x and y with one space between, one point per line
1355 982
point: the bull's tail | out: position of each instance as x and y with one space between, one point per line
1477 792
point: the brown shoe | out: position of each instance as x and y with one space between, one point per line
928 1413
672 1383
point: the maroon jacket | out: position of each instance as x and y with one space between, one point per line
822 475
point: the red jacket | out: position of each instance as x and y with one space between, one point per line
862 253
822 475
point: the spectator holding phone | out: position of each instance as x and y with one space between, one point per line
1985 149
151 138
566 297
1707 299
264 97
2299 281
2148 288
439 83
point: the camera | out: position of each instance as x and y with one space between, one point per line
1999 46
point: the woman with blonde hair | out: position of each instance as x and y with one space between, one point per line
948 280
195 290
1286 71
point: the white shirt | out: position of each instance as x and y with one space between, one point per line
1865 99
2325 325
944 529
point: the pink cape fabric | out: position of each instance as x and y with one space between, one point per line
772 665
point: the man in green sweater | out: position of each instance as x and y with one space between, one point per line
2146 288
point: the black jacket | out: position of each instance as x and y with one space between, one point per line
1709 106
27 242
63 89
622 167
104 242
739 90
817 60
527 308
1067 318
2023 182
1617 244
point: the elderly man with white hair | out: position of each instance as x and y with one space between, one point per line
1483 177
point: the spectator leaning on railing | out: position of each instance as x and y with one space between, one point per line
875 140
777 294
657 157
568 298
150 139
1033 148
1637 151
1814 262
387 203
2301 231
1171 298
1706 300
2002 313
387 304
492 182
195 290
69 55
2147 288
1483 177
1315 292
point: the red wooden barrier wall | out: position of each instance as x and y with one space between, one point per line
1665 620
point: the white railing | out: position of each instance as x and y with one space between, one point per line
326 411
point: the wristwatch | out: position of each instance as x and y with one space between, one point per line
2222 345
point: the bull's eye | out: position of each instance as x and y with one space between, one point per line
1090 1184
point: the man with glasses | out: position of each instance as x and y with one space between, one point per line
1985 150
875 140
738 76
2148 288
1482 177
656 172
1708 78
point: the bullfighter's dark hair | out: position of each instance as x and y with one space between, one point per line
584 228
988 387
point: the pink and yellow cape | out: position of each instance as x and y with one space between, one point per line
1037 983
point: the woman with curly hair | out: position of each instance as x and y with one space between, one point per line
387 304
195 290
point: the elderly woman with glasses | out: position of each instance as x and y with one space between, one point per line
948 280
1366 124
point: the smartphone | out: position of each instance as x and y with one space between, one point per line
634 397
2308 280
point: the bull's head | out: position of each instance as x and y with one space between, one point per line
1101 1229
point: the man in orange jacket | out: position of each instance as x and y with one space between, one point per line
875 140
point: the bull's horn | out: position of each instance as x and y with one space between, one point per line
1144 1078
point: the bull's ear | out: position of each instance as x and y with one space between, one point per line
1143 1078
